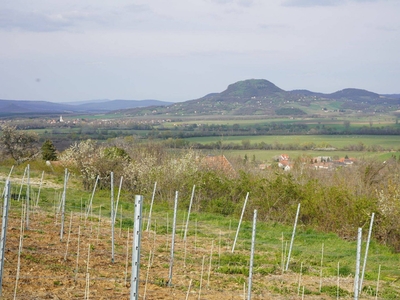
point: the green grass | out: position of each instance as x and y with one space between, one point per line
268 155
337 141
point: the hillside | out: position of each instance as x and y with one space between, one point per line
262 97
29 107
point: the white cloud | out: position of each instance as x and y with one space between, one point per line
311 3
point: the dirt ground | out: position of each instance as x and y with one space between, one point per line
80 266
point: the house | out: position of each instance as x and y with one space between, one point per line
320 159
283 157
219 163
323 166
345 162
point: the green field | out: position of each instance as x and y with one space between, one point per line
269 155
337 141
391 145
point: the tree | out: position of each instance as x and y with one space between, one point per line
49 151
346 125
18 144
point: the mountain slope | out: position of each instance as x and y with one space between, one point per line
262 97
16 107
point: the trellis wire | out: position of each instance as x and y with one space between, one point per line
377 282
137 229
229 237
63 204
283 254
292 239
189 210
171 263
98 226
21 238
147 276
87 283
91 198
120 222
87 286
69 234
299 283
320 271
219 248
22 183
183 224
209 266
8 179
188 291
338 281
154 240
240 222
201 276
27 197
40 187
195 236
366 252
116 204
7 191
151 206
77 252
253 241
127 256
166 246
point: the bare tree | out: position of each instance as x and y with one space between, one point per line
20 145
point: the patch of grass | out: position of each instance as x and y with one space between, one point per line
31 257
127 223
333 291
234 270
57 283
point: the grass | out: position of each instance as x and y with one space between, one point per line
337 141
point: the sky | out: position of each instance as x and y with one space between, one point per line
178 50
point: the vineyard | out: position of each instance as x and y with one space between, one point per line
42 262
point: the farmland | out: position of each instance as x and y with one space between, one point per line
294 146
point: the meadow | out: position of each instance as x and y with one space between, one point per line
336 141
390 144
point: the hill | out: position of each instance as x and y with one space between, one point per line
32 107
262 97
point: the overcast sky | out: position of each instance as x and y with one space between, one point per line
179 50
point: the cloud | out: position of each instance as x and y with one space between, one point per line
32 21
62 20
244 3
273 26
311 3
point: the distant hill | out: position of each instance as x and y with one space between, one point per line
262 97
252 97
27 107
111 105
